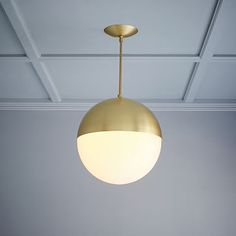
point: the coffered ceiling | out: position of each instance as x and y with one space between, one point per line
54 54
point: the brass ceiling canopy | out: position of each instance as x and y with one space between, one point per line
119 140
121 30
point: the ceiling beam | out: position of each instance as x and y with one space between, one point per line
224 57
155 57
14 57
158 57
86 105
30 48
206 53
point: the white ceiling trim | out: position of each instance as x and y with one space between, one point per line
85 105
157 57
37 60
14 57
224 58
30 48
207 51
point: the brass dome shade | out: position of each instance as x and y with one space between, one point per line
119 114
119 140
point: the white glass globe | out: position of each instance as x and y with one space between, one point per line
119 141
119 157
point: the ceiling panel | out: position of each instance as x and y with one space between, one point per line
155 79
85 78
98 78
219 81
62 30
72 26
9 43
227 43
20 82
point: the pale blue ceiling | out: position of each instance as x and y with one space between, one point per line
58 50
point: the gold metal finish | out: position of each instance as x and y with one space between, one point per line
120 67
119 114
121 30
119 140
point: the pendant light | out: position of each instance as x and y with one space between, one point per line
119 140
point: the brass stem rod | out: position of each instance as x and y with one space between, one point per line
120 67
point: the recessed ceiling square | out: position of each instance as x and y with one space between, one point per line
219 81
76 27
227 41
97 78
9 43
20 82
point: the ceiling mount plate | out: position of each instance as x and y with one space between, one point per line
120 30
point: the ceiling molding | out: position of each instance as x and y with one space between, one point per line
224 58
14 57
39 62
157 57
30 47
160 57
206 53
85 105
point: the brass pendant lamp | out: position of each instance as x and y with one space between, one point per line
119 140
